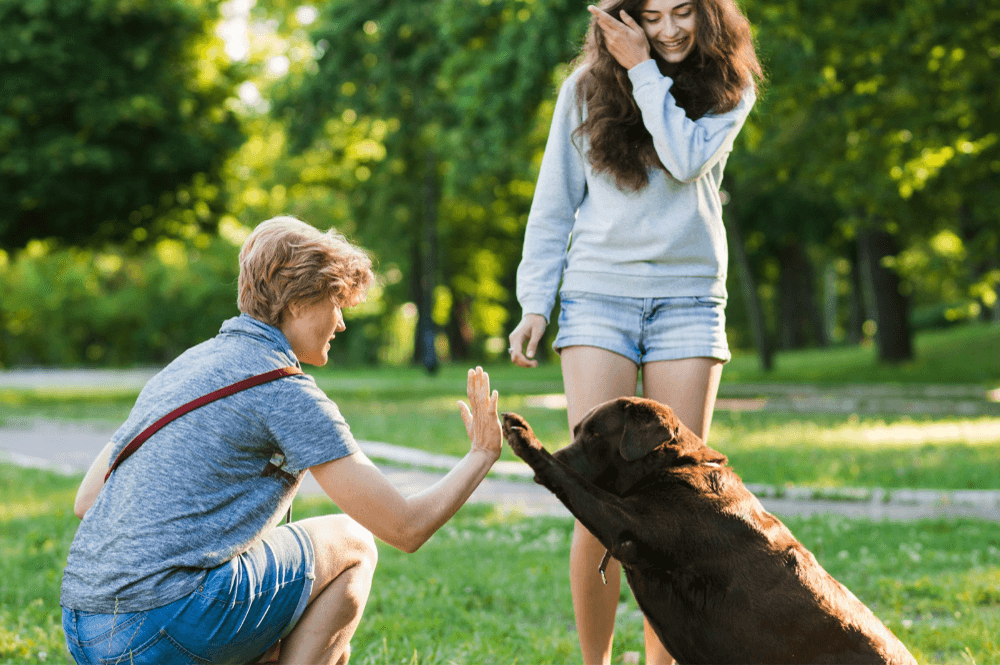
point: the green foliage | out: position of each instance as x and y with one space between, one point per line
877 108
885 115
114 114
85 307
419 124
433 115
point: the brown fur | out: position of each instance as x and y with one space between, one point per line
719 578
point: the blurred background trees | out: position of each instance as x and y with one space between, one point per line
114 123
140 141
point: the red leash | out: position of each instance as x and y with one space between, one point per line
225 391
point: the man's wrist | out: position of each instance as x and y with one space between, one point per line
489 456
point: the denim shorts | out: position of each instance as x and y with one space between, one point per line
644 329
238 611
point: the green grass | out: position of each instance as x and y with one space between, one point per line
764 447
21 405
36 528
492 588
962 354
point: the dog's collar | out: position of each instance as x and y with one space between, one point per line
604 565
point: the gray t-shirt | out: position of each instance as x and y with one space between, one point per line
207 486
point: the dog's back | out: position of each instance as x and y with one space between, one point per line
739 587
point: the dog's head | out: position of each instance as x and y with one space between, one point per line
620 442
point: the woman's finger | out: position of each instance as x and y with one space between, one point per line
604 19
516 349
628 20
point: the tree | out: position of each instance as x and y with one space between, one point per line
451 92
892 115
114 119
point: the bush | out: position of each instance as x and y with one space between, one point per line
71 306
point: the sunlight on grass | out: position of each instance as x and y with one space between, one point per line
19 406
32 508
964 354
874 433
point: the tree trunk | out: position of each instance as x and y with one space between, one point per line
765 353
856 311
800 322
426 330
971 232
460 332
891 308
831 319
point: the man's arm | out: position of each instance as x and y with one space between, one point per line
361 491
93 481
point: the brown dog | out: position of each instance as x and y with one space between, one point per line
719 578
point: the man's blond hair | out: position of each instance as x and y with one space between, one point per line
287 261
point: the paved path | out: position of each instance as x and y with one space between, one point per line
70 447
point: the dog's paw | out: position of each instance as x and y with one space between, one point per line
519 436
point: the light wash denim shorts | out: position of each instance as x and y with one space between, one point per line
240 609
644 329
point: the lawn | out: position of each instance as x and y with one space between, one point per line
492 588
964 354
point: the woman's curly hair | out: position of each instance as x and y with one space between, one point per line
722 64
286 261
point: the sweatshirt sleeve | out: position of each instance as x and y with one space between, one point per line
560 190
688 148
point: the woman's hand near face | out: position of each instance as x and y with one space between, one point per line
626 41
529 331
481 420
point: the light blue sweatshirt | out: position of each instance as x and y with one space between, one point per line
664 240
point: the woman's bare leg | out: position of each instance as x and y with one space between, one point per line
592 376
345 563
688 386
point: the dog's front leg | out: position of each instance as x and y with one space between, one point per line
604 514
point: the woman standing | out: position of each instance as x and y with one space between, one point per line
180 557
627 213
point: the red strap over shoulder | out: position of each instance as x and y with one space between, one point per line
225 391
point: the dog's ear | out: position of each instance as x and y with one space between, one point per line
647 426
